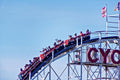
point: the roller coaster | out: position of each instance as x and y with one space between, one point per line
61 51
84 60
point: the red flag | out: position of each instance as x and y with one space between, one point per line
103 12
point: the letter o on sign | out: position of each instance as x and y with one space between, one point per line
113 58
89 54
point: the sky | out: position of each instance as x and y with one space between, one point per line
27 26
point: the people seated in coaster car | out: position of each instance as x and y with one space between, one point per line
43 55
31 66
87 35
69 41
59 46
75 38
80 36
23 72
72 40
47 52
35 61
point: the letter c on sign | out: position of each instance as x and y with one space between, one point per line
89 53
112 56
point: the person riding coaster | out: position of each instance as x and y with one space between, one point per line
28 67
69 41
72 40
59 46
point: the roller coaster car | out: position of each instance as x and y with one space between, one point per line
36 62
46 57
29 68
21 74
47 54
59 47
72 41
86 37
25 77
24 72
69 42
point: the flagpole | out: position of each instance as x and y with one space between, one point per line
119 24
106 30
118 7
119 33
106 21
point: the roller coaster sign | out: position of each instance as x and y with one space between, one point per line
104 55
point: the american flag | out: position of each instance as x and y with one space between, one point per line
103 12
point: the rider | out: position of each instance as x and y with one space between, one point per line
79 37
61 46
43 54
71 40
88 34
75 38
